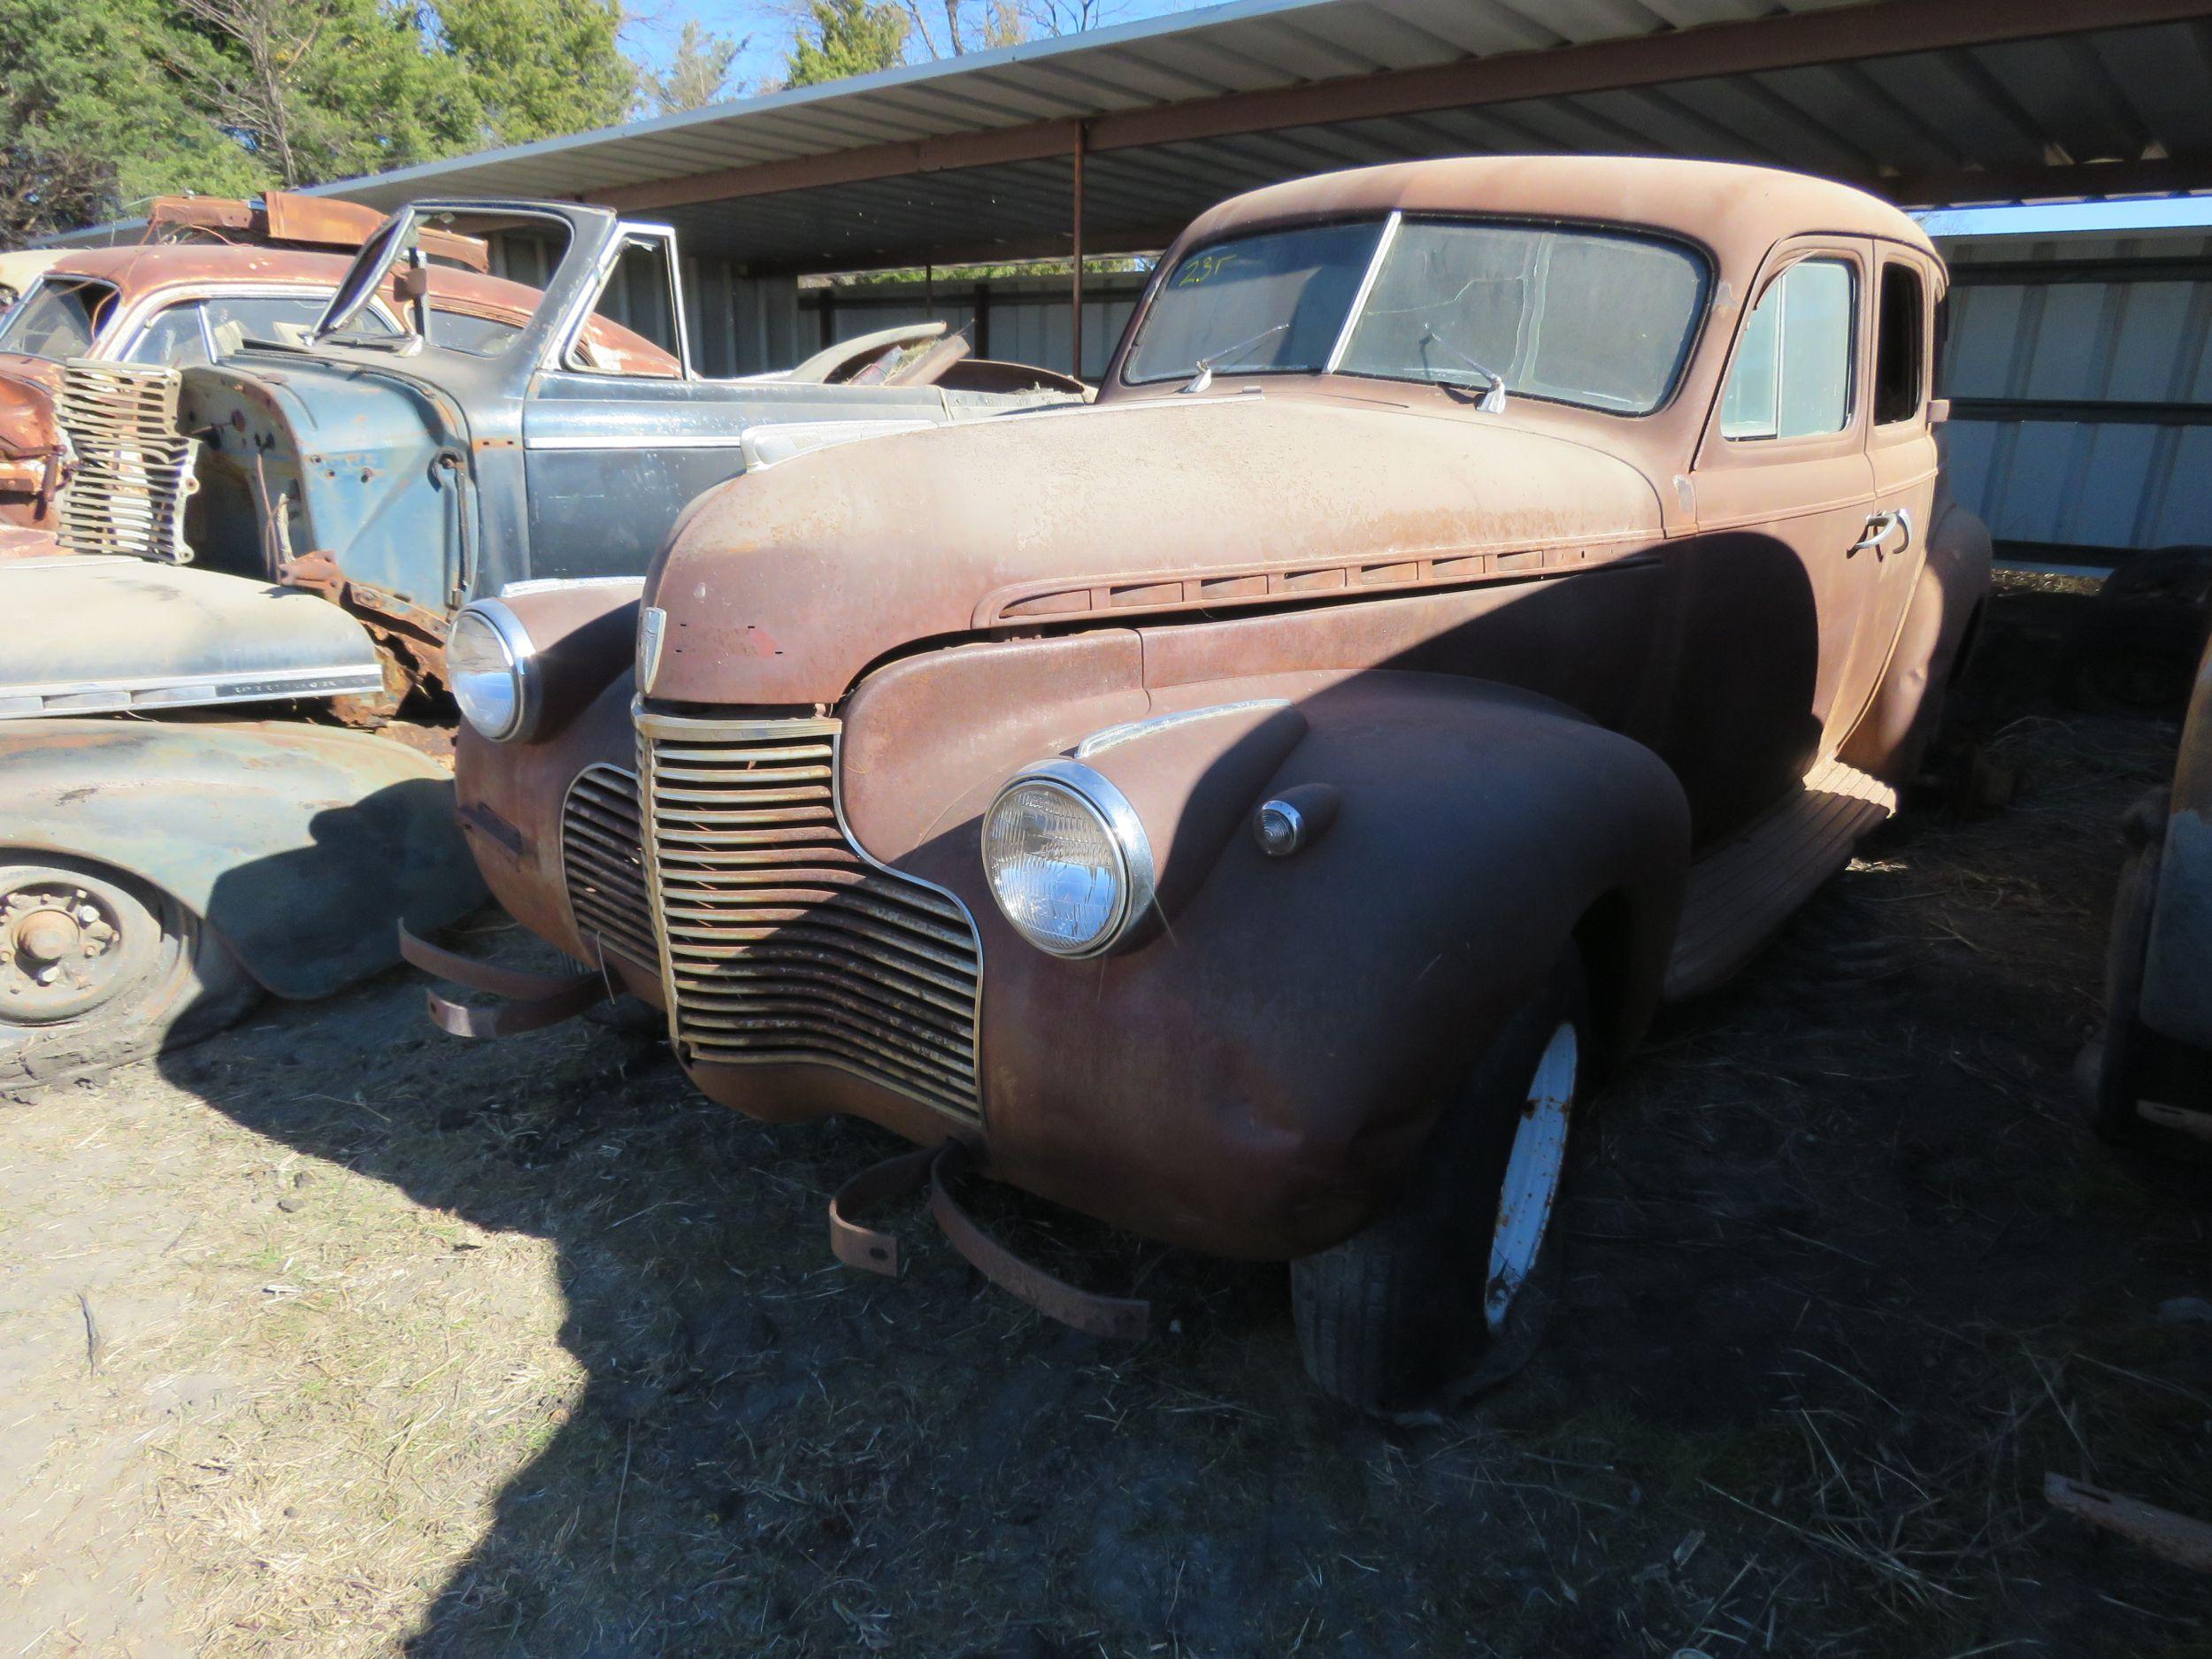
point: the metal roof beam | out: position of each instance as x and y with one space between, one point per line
2083 182
1881 28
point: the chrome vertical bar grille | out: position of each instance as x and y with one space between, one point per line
132 467
603 862
781 941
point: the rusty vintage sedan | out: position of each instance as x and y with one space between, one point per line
1486 597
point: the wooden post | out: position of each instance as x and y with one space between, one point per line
1075 266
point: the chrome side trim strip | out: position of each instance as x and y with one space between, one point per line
185 691
1107 737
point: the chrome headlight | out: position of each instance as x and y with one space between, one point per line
493 671
1068 860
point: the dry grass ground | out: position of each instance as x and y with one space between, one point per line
335 1337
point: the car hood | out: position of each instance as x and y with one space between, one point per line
171 636
782 586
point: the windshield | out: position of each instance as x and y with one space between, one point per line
1599 318
61 318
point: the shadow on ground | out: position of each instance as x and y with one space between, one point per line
1844 1279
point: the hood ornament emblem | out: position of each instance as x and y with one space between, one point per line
652 630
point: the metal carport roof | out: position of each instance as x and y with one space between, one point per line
1928 101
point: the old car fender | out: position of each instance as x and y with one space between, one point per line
300 846
2176 994
1930 647
1252 1079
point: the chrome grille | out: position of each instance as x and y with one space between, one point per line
131 468
782 942
603 861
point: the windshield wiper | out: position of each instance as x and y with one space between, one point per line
1205 365
1492 401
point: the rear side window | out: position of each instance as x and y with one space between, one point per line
1792 377
1898 372
60 318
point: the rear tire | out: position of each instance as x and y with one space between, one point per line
1449 1291
98 969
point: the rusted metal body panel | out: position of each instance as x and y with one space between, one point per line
302 846
1539 657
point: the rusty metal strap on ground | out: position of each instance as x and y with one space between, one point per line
863 1246
536 999
938 1167
1055 1298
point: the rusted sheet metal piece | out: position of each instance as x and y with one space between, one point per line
302 847
283 216
535 1000
2181 1539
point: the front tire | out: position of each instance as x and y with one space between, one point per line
1449 1292
98 969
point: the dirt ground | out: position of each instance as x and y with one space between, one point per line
335 1336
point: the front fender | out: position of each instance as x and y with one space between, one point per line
1252 1079
300 846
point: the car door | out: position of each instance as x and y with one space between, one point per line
1783 487
1902 454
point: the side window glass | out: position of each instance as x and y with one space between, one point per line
173 338
632 328
1792 377
1897 370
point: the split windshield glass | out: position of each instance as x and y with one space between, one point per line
1599 318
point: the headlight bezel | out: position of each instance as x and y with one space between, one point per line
523 669
1096 794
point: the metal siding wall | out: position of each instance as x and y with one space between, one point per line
2026 330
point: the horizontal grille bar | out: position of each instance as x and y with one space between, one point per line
782 943
603 862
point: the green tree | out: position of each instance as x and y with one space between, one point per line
538 68
850 37
695 75
90 117
106 102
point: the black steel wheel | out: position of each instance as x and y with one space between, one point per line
98 969
1449 1292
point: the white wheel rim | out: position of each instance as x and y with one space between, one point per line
1531 1176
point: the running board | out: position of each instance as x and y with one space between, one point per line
1746 888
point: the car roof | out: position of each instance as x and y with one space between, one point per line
1726 206
143 269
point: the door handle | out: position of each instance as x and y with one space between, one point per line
1879 530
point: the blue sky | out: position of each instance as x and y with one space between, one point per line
652 27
